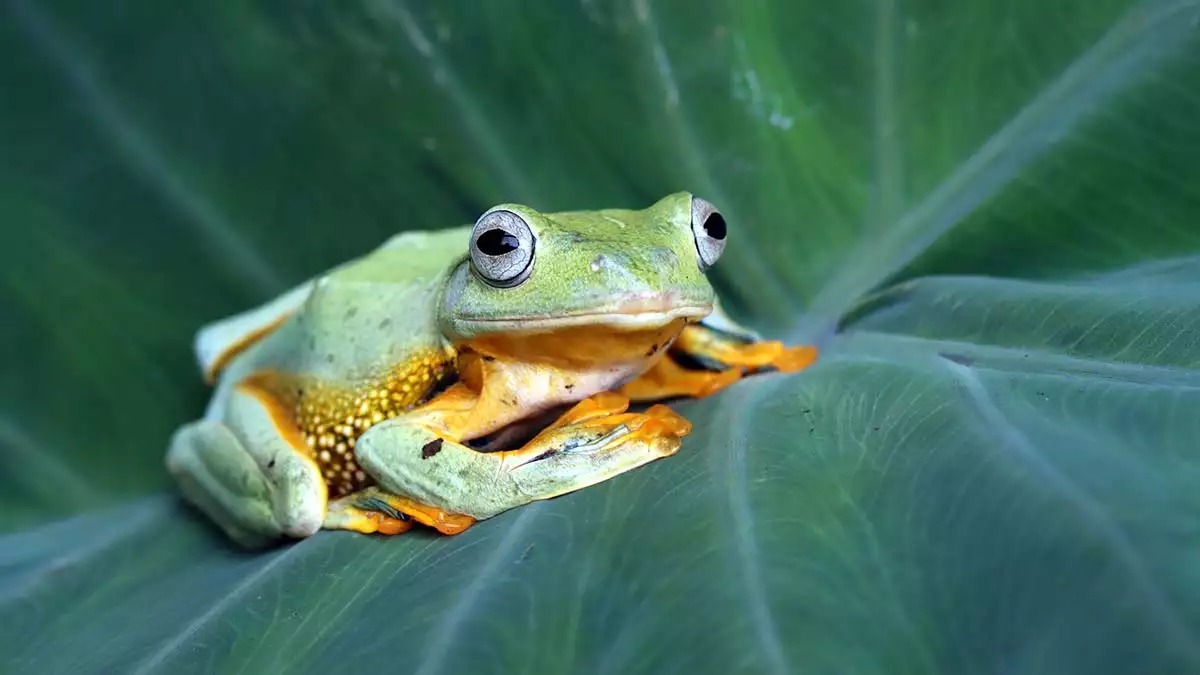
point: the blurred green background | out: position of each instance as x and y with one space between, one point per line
986 213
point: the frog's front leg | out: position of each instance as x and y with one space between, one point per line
723 357
414 458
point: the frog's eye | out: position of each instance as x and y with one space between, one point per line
502 248
708 229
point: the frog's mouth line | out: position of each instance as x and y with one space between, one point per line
634 316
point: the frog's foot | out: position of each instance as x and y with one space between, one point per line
592 442
373 511
722 358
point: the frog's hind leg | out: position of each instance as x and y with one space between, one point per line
374 511
247 474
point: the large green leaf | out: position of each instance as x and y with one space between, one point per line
986 213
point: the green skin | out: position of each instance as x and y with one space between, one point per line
416 292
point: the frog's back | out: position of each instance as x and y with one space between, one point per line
355 315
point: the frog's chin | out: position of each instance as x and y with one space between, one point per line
622 318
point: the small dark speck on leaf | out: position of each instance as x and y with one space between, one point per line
385 323
271 464
329 358
526 554
431 448
874 428
350 313
570 386
960 359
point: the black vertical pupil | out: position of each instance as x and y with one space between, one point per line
497 242
715 226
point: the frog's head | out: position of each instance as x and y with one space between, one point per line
626 270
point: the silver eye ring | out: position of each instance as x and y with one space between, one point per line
708 230
502 246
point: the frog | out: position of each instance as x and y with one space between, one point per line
378 395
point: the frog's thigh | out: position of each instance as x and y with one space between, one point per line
596 441
247 473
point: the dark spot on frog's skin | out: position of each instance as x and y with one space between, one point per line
874 428
960 359
350 313
329 358
576 237
431 448
489 358
384 324
271 464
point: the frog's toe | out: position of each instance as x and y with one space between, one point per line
597 406
793 359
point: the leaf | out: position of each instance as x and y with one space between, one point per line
984 212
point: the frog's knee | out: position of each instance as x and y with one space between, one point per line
298 492
219 478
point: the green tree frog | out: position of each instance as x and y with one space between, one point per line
359 400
